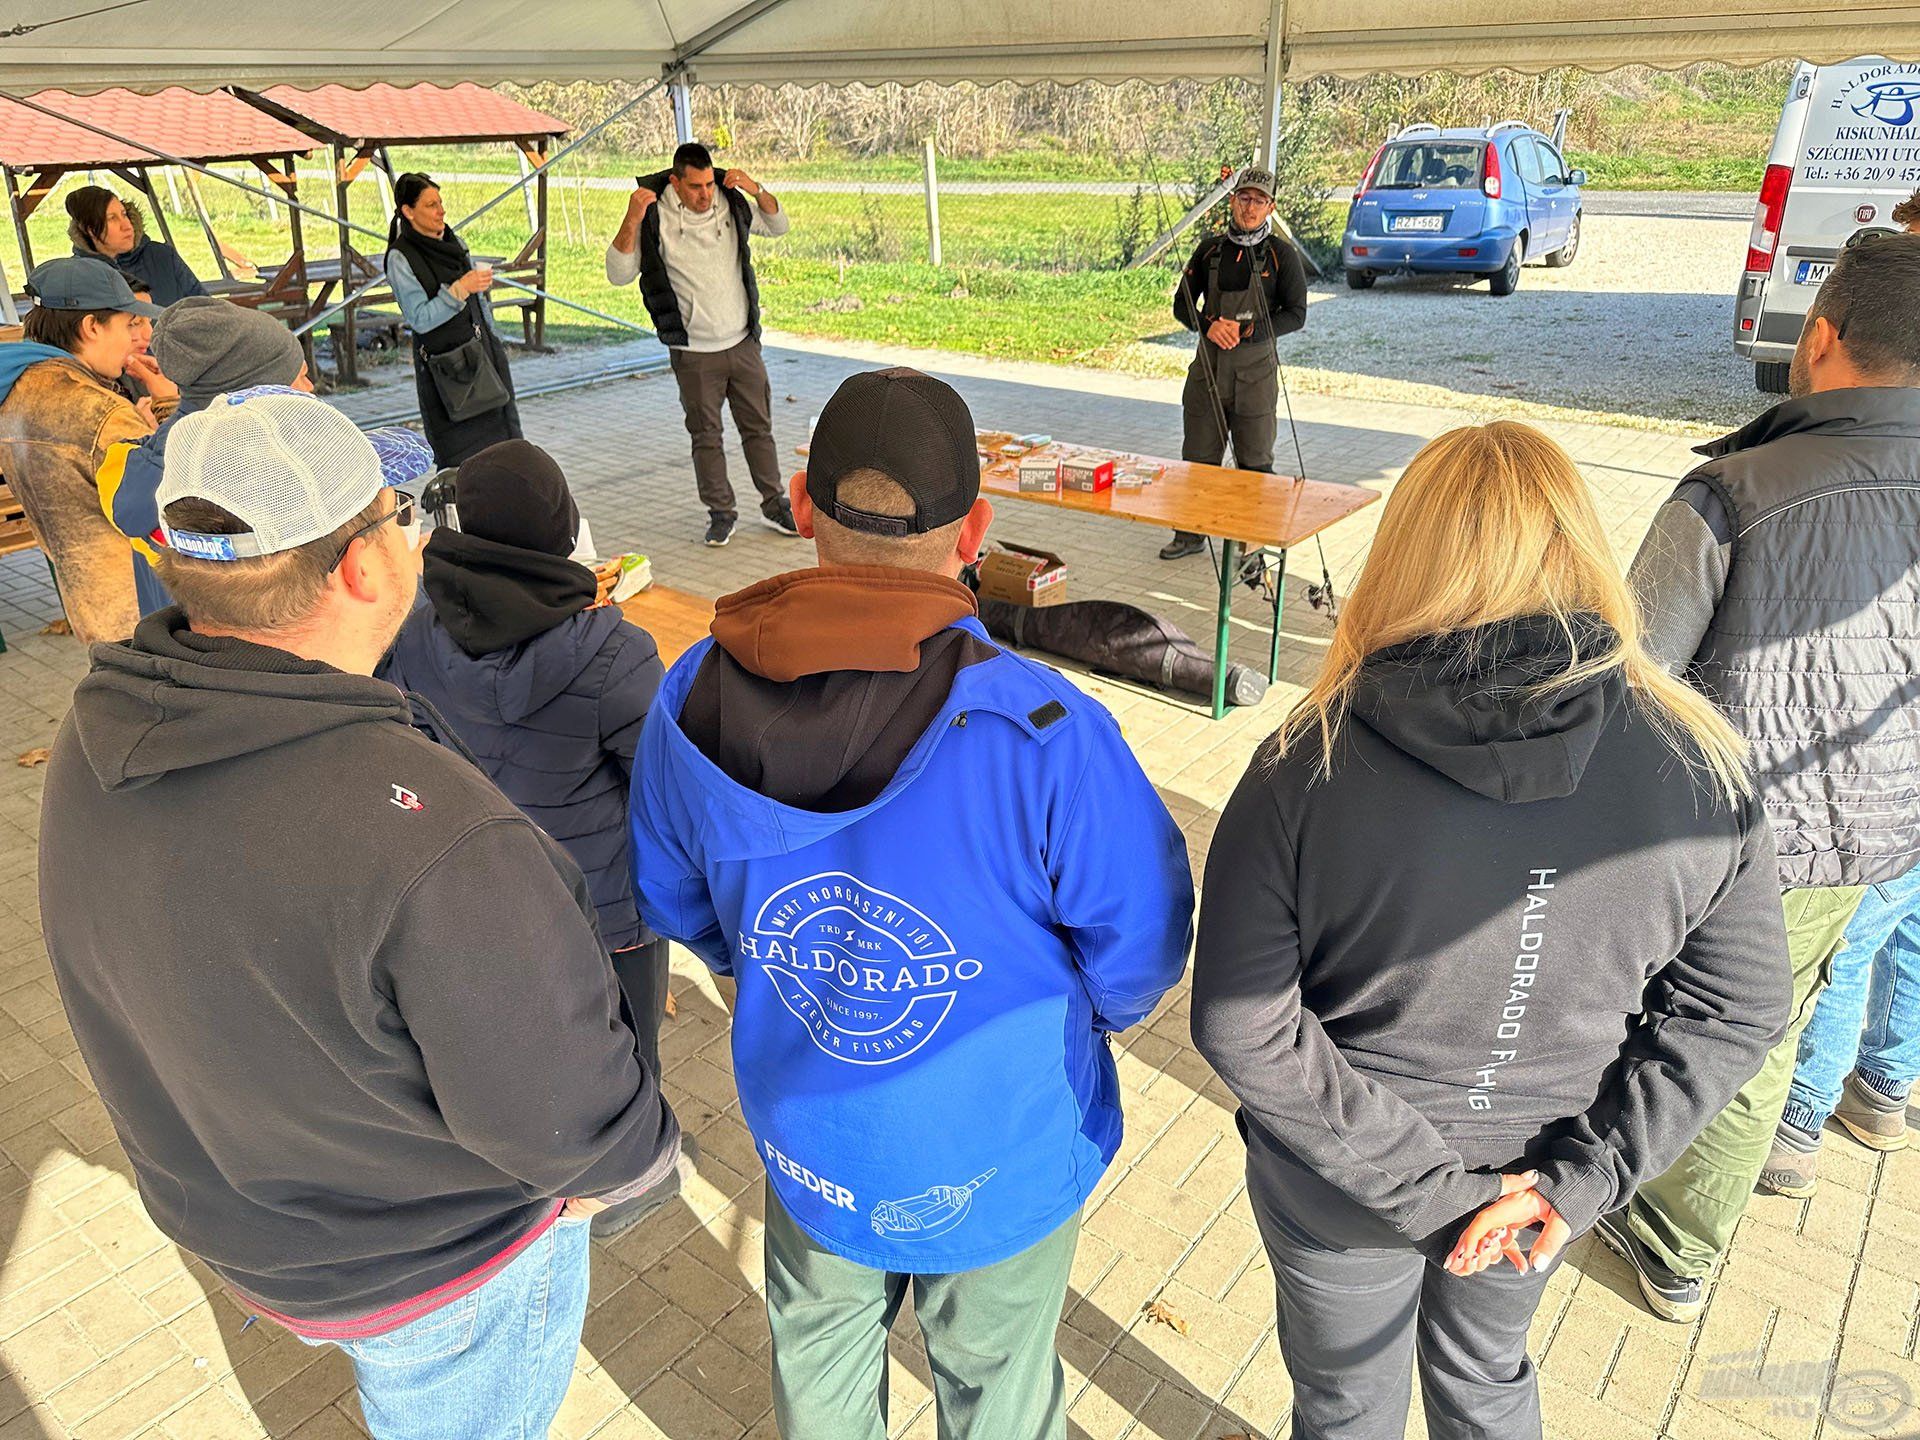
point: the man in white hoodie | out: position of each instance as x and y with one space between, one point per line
695 269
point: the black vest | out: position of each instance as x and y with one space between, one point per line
656 288
1814 651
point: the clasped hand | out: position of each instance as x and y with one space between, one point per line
1494 1233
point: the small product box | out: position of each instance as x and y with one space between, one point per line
1023 577
1135 475
1039 474
1086 473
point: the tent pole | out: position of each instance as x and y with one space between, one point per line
1272 95
682 110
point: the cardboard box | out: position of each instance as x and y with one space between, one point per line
1039 475
1086 473
1023 577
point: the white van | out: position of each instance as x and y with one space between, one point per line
1847 151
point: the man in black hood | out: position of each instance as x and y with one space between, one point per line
548 692
346 1006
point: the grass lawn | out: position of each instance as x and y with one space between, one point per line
1027 278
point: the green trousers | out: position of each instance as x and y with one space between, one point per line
1687 1216
989 1334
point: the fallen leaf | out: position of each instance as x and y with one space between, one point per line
672 1009
62 626
39 755
1165 1314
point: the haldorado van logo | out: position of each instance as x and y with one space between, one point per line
870 976
1891 102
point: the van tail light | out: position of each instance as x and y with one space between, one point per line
1366 175
1490 176
1767 215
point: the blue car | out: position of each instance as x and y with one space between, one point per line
1463 202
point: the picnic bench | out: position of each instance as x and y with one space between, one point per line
1238 508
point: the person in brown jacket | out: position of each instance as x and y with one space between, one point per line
59 412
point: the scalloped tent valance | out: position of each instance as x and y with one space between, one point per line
204 44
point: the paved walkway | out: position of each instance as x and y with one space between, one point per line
106 1331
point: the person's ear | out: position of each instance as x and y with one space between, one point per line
1822 340
802 504
973 531
359 572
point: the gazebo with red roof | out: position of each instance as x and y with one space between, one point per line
360 126
203 128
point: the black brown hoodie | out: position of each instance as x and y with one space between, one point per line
1511 930
346 1005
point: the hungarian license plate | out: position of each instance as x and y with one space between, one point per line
1812 272
1417 222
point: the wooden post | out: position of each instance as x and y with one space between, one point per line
298 261
540 256
933 208
346 357
19 225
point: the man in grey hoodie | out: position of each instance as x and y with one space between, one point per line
346 1005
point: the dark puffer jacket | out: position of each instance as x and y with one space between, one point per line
554 718
656 288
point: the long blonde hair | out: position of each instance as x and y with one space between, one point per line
1488 523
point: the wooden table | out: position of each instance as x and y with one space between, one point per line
1239 508
676 620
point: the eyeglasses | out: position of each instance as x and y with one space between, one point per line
403 511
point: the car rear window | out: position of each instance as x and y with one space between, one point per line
1429 165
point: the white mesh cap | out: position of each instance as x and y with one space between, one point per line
287 465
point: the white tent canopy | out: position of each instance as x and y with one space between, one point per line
208 43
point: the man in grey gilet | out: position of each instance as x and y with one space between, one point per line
1783 576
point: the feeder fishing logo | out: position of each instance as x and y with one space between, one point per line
870 976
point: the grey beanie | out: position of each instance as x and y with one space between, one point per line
208 346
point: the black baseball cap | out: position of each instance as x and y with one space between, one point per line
910 427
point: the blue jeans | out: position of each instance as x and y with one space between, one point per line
493 1365
1869 1018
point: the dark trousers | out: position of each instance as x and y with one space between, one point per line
1359 1306
1246 380
738 378
642 973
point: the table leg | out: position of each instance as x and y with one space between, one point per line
1279 598
1229 573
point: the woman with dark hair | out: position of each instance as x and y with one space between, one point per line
102 226
459 361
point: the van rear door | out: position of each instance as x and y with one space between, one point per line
1859 157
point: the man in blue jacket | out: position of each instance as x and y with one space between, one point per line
940 881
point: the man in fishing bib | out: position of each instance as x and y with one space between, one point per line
1241 290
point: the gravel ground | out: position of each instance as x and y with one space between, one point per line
1638 328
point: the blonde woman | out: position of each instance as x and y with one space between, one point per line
1493 915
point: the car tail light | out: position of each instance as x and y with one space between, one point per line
1469 251
1767 215
1359 249
1490 177
1366 175
1747 323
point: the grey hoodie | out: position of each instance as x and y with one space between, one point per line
346 1005
1509 931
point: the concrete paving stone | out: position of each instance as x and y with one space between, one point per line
307 1392
1884 1310
683 1412
591 1401
49 1292
330 1424
212 1415
47 1354
1173 1412
1645 1377
100 1384
651 1350
149 1402
738 1383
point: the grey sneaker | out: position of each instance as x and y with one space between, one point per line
1789 1167
1670 1296
1877 1121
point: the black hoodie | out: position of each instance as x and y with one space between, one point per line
346 1005
1508 932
